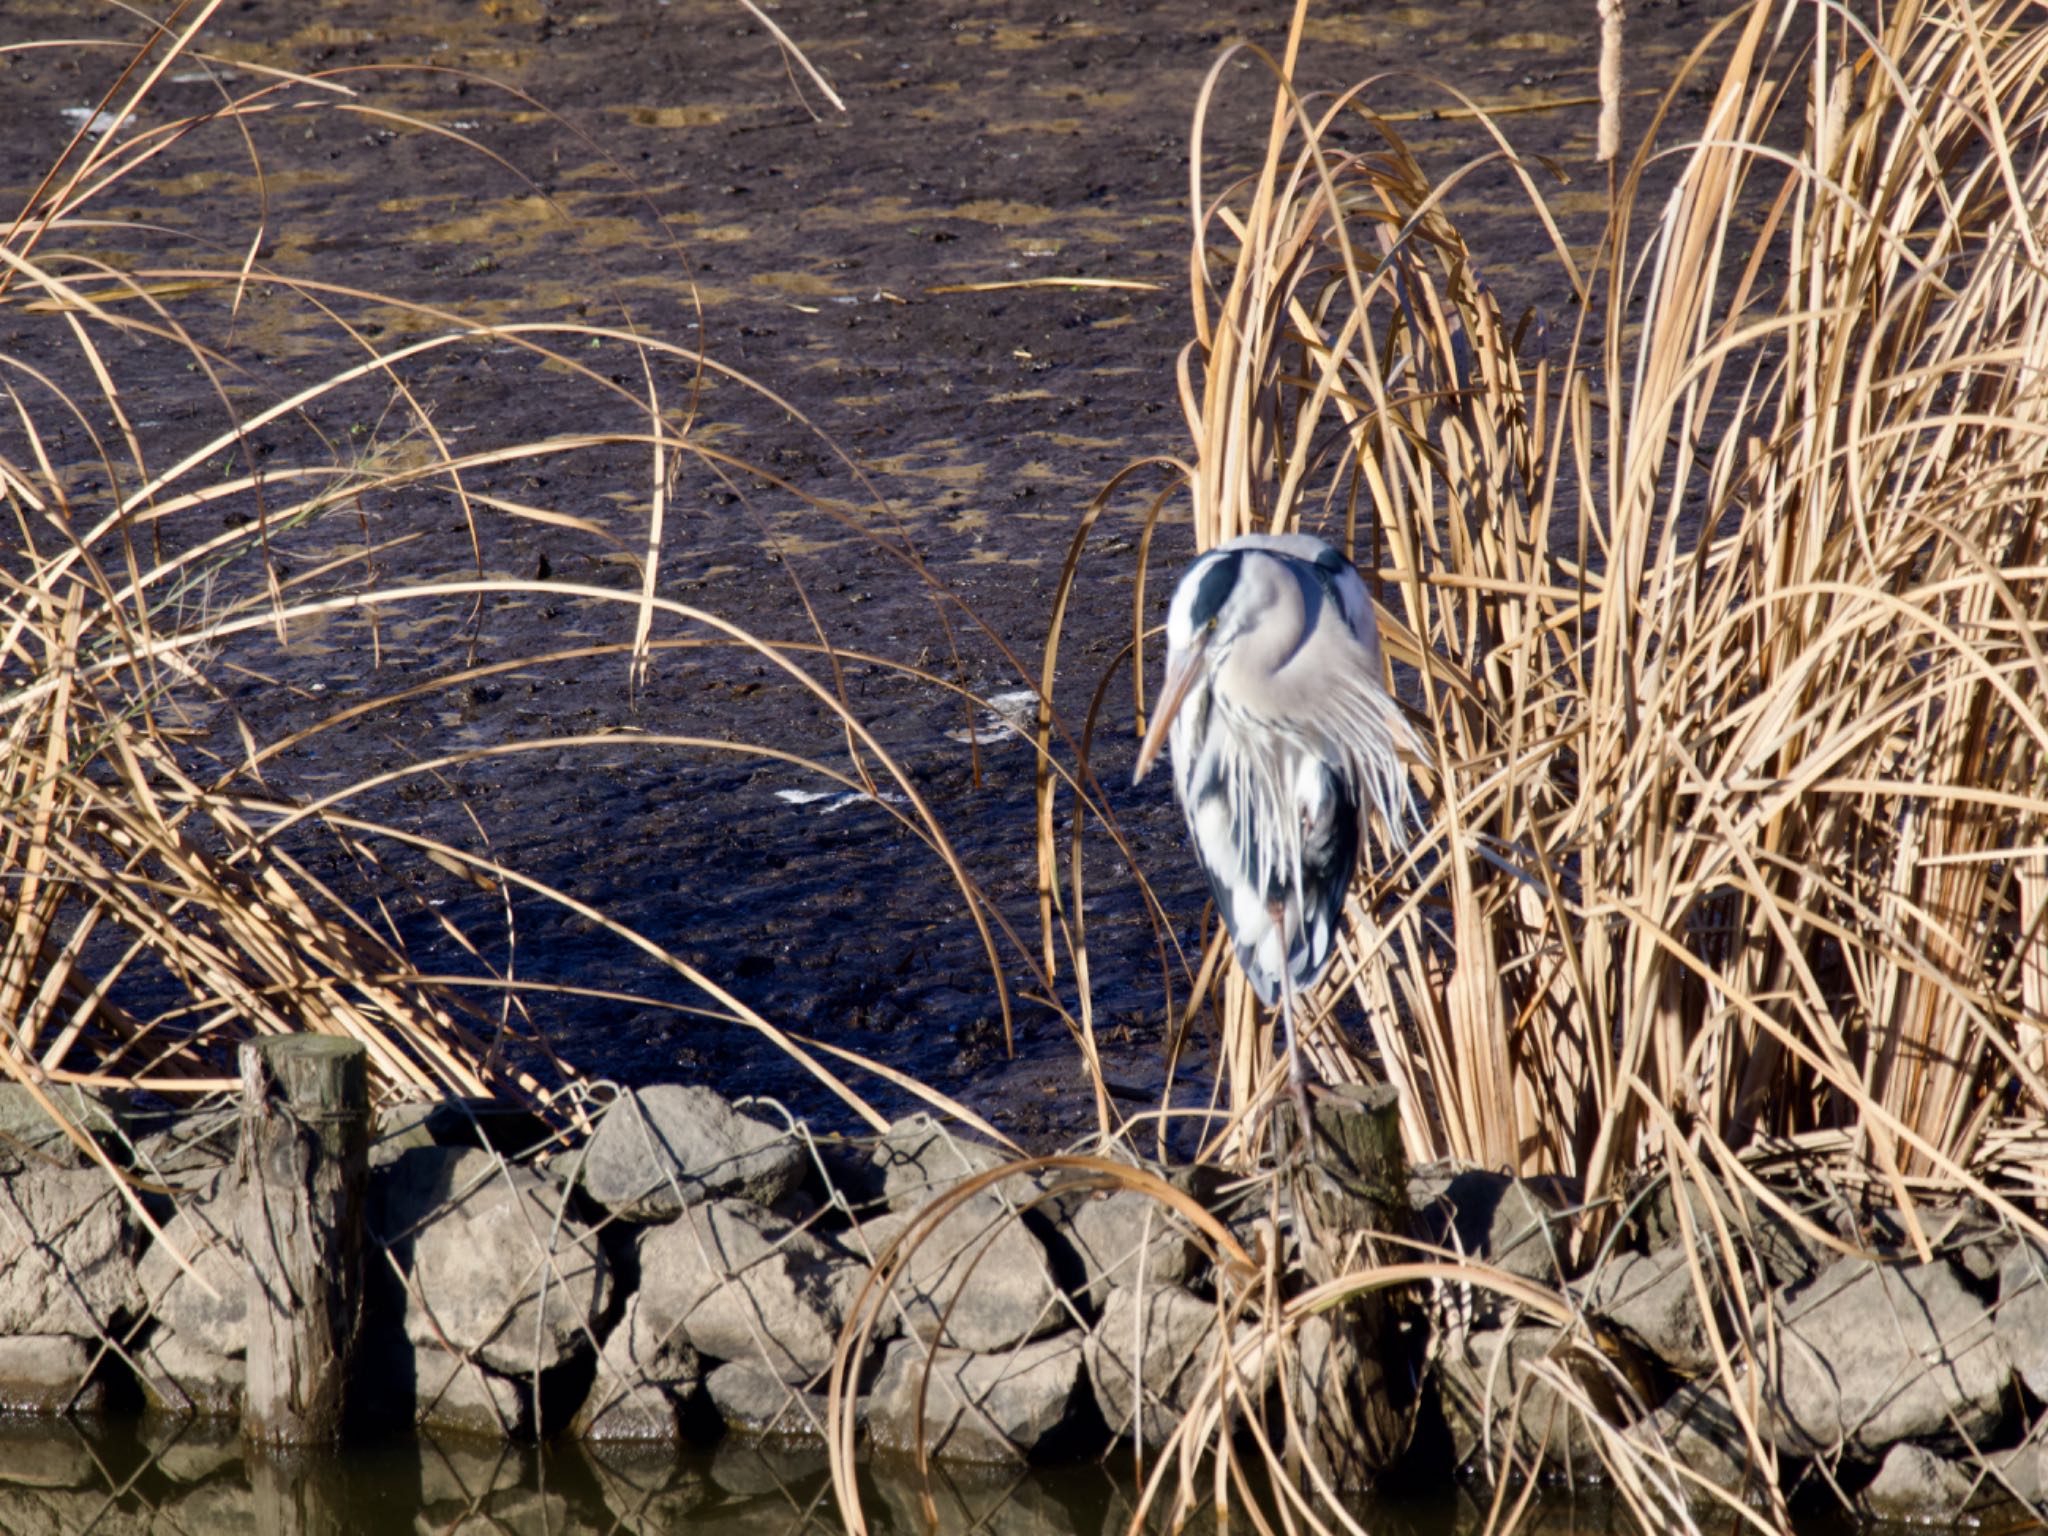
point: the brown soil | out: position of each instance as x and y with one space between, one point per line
660 166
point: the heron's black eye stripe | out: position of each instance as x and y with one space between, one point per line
1215 589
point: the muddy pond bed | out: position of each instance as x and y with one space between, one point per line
662 169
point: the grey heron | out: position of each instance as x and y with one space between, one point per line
1283 735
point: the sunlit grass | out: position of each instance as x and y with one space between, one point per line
1724 611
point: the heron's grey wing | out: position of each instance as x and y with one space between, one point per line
1329 857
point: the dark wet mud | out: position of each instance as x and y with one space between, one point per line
662 170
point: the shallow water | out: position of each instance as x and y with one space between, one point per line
197 1480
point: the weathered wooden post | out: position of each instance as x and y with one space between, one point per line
1355 1360
304 1165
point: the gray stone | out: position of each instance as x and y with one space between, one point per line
1914 1485
1491 1383
638 1351
999 1407
755 1401
29 1138
740 1285
1697 1426
45 1373
184 1379
919 1157
1172 1337
492 1266
402 1128
1764 1239
618 1410
1516 1225
194 1149
979 1272
1874 1354
1653 1299
67 1253
664 1148
2023 1313
639 1374
1126 1238
2022 1472
203 1232
454 1396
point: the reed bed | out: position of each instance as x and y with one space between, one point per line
1722 605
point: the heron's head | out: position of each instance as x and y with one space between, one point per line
1213 605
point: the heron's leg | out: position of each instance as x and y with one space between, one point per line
1297 1064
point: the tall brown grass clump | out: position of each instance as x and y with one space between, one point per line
1724 608
1724 605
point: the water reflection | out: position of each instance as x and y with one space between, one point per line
57 1479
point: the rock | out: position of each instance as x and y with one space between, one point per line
1002 1407
1917 1486
740 1285
638 1351
2023 1313
1513 1224
67 1253
618 1410
29 1138
1786 1256
1872 1354
184 1379
203 1231
453 1396
1173 1337
402 1128
640 1372
1125 1238
193 1149
45 1373
2022 1472
754 1401
919 1158
979 1272
479 1241
1652 1298
1702 1433
1961 1233
1484 1373
664 1148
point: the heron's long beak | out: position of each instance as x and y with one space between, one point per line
1178 682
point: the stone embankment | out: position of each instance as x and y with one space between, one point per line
691 1269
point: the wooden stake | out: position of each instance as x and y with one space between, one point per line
1359 1407
304 1167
